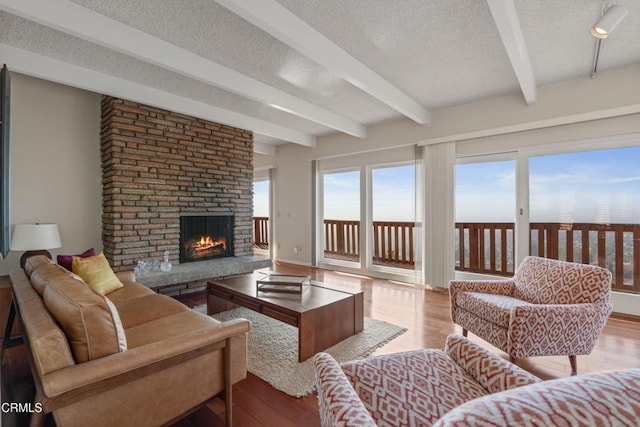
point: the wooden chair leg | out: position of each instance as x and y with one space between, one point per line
574 365
464 332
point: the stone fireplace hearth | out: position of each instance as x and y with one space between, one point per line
158 166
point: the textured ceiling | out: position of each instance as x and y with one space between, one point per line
437 53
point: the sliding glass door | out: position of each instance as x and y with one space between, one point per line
485 206
341 216
367 219
393 213
261 209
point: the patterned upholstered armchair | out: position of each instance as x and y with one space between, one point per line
413 388
466 385
549 308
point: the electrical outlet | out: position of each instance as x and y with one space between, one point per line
297 249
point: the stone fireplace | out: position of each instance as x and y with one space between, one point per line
158 167
205 237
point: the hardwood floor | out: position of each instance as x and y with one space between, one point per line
425 312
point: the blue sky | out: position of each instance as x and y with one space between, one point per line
594 187
261 198
485 192
600 187
393 194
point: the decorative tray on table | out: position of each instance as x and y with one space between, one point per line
283 283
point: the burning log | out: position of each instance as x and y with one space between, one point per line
205 247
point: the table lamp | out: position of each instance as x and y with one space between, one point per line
35 239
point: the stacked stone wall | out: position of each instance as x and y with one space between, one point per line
157 165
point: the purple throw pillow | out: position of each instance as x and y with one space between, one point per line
65 260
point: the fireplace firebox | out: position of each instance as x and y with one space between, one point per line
205 237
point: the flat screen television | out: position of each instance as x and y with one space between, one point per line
5 222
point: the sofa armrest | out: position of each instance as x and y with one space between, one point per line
491 371
575 328
135 363
338 402
581 401
126 276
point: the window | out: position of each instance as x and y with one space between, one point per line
583 207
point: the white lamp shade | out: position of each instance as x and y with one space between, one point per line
33 237
610 20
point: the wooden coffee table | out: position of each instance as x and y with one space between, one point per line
323 314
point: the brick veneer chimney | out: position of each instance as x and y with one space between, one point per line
156 165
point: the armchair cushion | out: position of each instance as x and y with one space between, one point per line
492 307
495 287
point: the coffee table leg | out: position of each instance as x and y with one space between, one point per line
306 336
216 304
358 301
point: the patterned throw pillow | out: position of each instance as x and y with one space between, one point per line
96 272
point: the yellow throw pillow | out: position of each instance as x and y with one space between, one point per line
96 272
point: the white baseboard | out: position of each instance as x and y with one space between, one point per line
289 261
625 303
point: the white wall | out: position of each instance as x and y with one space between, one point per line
55 173
292 207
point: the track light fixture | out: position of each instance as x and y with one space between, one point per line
609 21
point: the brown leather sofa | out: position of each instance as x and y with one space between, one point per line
155 364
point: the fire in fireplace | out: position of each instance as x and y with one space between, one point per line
205 236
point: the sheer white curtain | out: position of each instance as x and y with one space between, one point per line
438 256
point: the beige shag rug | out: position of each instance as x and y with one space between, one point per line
273 349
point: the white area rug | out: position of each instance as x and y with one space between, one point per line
273 349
